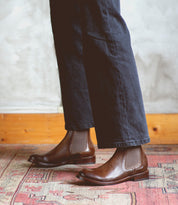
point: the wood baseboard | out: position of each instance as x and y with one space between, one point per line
49 128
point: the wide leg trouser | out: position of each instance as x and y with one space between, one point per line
98 74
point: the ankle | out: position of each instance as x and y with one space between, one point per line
80 134
80 141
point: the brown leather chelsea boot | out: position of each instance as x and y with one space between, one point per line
126 164
75 148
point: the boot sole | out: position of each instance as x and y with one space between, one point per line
84 160
136 177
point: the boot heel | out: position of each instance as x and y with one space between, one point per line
141 176
89 160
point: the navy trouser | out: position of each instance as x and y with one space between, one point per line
98 75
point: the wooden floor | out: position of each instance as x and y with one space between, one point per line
49 128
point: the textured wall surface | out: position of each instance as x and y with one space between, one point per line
153 26
28 69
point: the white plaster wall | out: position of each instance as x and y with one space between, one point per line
29 79
154 30
28 69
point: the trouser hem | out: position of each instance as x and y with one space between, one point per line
124 144
79 126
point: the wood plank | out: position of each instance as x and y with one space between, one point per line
163 128
49 128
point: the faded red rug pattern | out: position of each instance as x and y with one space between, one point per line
21 184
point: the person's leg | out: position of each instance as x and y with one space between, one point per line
67 35
115 93
112 77
76 147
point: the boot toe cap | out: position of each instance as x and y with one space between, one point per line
36 158
87 173
32 158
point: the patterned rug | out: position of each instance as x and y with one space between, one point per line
21 184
